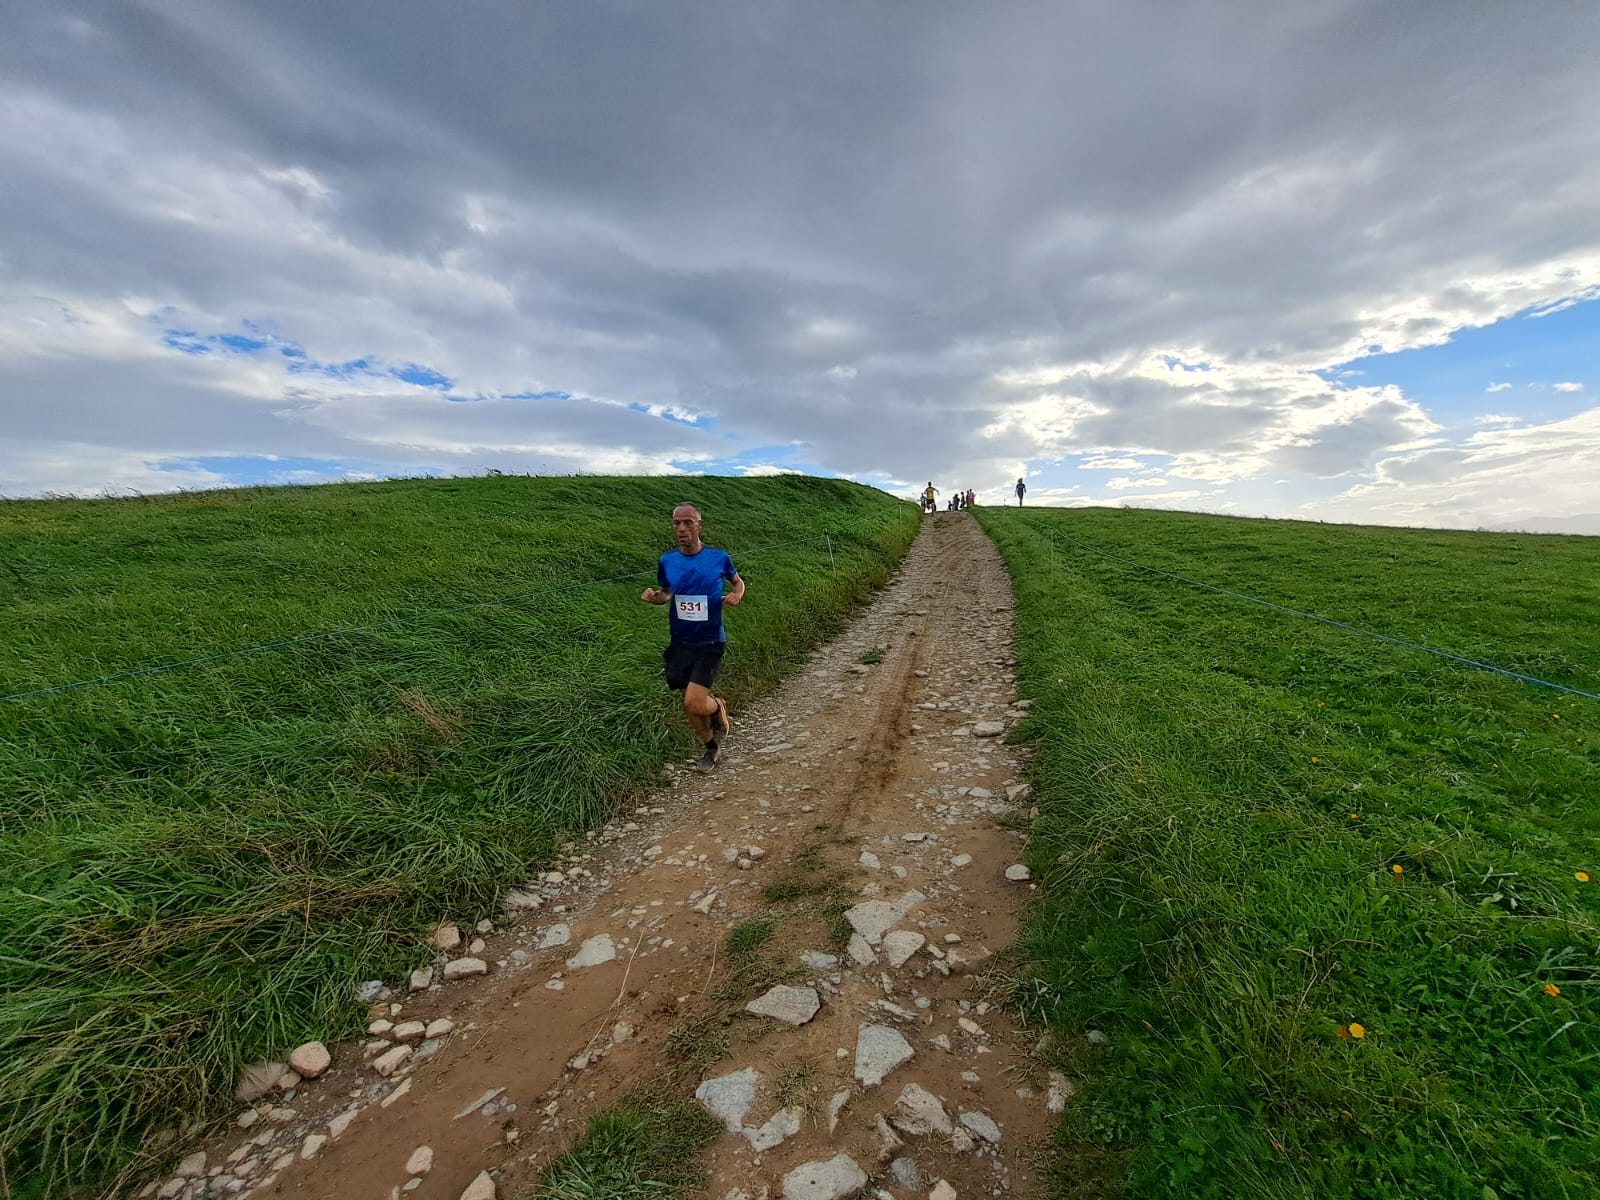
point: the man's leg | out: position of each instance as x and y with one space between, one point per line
698 705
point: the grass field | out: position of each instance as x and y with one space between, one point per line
1331 901
199 864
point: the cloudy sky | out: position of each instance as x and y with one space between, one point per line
1325 259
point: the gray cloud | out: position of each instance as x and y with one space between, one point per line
898 240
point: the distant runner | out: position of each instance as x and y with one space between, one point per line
1021 491
930 498
691 579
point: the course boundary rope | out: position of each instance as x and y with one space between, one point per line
1381 637
327 634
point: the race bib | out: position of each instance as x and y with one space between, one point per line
693 608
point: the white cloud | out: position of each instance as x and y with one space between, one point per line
1569 387
1497 387
1123 482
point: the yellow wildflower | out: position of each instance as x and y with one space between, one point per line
1581 876
1551 989
1398 870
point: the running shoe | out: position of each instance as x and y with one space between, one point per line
712 754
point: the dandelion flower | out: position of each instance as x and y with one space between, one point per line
1581 876
1314 758
1551 989
1398 870
1355 816
1357 1030
1319 703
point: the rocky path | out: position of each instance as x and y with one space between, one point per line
854 844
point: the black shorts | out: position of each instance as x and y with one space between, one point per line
687 662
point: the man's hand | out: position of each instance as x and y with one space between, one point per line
652 596
733 599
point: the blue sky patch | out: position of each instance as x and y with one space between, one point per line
249 470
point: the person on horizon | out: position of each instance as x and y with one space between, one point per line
690 578
1022 489
930 498
972 497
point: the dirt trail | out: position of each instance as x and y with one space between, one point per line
856 782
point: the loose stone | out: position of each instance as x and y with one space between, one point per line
447 936
1018 873
1061 1090
728 1097
409 1031
386 1064
879 1050
310 1060
439 1028
313 1143
783 1124
832 1179
421 1161
900 945
421 979
462 968
942 1191
256 1080
961 860
193 1166
791 1005
988 729
481 1188
918 1112
982 1125
596 950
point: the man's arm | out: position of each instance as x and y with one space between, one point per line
656 595
736 596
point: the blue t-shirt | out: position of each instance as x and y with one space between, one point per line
694 614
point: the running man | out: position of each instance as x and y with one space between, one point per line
1022 490
690 579
930 496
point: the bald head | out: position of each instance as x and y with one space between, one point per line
686 528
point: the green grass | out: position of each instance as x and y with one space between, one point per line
1224 793
199 864
643 1148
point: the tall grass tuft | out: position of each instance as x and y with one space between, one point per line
198 865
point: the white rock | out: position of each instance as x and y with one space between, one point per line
982 1125
986 729
422 979
729 1097
869 859
339 1124
447 936
386 1064
836 1106
1018 873
1018 792
782 1124
879 1050
409 1031
900 945
556 935
832 1179
918 1112
791 1005
477 946
310 1060
968 1025
405 1086
520 901
462 968
961 860
888 1140
421 1161
818 961
439 1028
247 1118
913 837
874 918
860 952
942 1191
621 1032
193 1166
596 950
481 1188
313 1143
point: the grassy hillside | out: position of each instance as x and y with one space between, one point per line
199 864
1331 901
